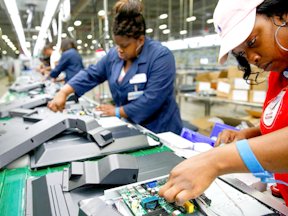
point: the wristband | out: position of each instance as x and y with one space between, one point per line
251 161
117 112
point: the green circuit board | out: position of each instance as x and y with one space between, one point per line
143 199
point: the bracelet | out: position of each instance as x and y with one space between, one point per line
117 112
251 161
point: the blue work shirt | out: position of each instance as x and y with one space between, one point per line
156 109
70 62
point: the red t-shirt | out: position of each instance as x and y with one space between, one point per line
275 115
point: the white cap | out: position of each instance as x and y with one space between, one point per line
234 21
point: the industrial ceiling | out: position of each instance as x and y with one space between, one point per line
92 24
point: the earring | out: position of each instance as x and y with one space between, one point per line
276 34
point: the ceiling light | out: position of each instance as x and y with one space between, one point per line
77 23
89 36
163 26
54 27
70 28
183 32
37 28
4 52
50 10
191 19
4 37
13 11
149 30
94 41
79 47
209 21
63 35
163 16
85 45
92 47
34 37
17 52
101 13
80 51
166 31
79 41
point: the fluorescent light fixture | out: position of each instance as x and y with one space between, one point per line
101 13
163 16
194 43
50 10
206 41
166 31
34 37
183 32
79 41
163 26
89 36
191 19
15 18
49 36
77 23
209 21
176 44
149 30
70 28
54 27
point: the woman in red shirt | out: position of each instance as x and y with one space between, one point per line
256 32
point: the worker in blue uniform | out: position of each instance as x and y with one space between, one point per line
70 61
140 73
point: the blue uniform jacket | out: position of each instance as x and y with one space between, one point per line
70 62
156 109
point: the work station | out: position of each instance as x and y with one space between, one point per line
134 108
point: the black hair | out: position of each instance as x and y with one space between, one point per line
268 8
272 8
129 20
48 46
67 44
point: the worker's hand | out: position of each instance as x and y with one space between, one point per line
190 179
229 136
107 109
58 102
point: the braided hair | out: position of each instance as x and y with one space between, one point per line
129 20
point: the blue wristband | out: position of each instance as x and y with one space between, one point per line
117 112
251 161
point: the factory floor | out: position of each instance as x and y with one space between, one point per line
189 110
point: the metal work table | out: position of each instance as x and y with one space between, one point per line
210 100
